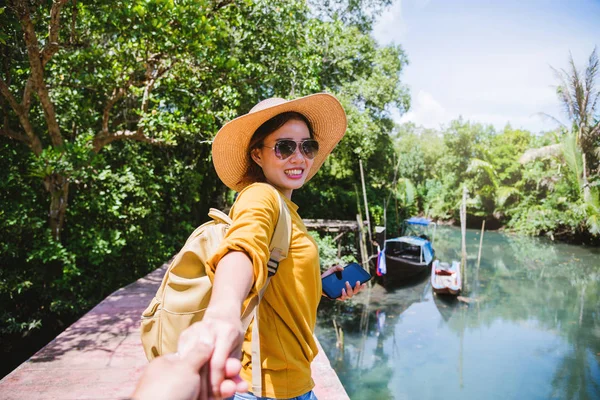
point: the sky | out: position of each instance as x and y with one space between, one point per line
488 61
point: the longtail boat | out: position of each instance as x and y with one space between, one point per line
409 255
445 278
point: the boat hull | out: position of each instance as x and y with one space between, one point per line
399 268
446 284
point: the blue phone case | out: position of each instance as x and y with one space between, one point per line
334 283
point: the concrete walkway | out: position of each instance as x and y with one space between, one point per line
100 356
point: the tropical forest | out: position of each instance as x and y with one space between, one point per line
108 110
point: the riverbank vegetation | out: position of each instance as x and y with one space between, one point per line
108 110
530 183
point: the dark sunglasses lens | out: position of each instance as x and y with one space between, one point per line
284 149
310 148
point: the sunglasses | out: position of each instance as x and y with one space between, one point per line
285 148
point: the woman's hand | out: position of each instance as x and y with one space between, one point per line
222 331
349 291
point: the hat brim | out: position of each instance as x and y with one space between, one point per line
230 147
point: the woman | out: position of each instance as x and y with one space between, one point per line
279 144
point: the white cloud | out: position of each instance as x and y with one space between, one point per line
390 28
487 65
426 111
429 112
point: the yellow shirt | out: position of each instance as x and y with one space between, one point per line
288 310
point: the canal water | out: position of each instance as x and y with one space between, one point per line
530 329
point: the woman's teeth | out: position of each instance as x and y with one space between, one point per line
293 172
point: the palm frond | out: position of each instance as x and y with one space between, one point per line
563 92
552 118
407 193
576 87
590 76
478 164
503 193
553 150
573 157
592 208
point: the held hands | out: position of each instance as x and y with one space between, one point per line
349 291
221 379
173 377
178 377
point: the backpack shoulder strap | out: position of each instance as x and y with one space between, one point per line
279 248
280 243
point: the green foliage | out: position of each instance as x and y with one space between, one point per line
165 76
328 251
592 208
541 197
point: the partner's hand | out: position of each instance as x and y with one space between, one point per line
174 377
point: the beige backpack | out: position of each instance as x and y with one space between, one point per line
185 290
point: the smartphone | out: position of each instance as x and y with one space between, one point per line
352 273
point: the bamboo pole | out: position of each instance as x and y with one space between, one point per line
361 243
463 229
364 190
395 187
480 243
384 223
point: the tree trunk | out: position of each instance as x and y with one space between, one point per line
58 187
586 186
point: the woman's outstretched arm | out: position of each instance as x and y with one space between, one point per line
221 326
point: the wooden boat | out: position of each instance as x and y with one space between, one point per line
445 278
407 256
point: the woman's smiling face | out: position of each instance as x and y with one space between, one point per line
289 174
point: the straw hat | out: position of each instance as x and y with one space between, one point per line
230 147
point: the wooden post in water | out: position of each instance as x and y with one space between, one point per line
361 243
480 243
384 223
364 190
463 229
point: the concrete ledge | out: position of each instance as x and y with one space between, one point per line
100 356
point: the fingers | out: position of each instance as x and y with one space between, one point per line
194 336
233 366
348 292
204 382
233 383
226 338
242 386
227 388
230 386
198 355
344 296
331 270
225 345
358 287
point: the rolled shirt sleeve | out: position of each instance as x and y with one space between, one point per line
254 217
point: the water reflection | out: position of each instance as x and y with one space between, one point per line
532 329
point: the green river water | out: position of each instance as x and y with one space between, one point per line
530 331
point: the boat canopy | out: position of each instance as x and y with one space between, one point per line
412 240
416 225
426 253
418 221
